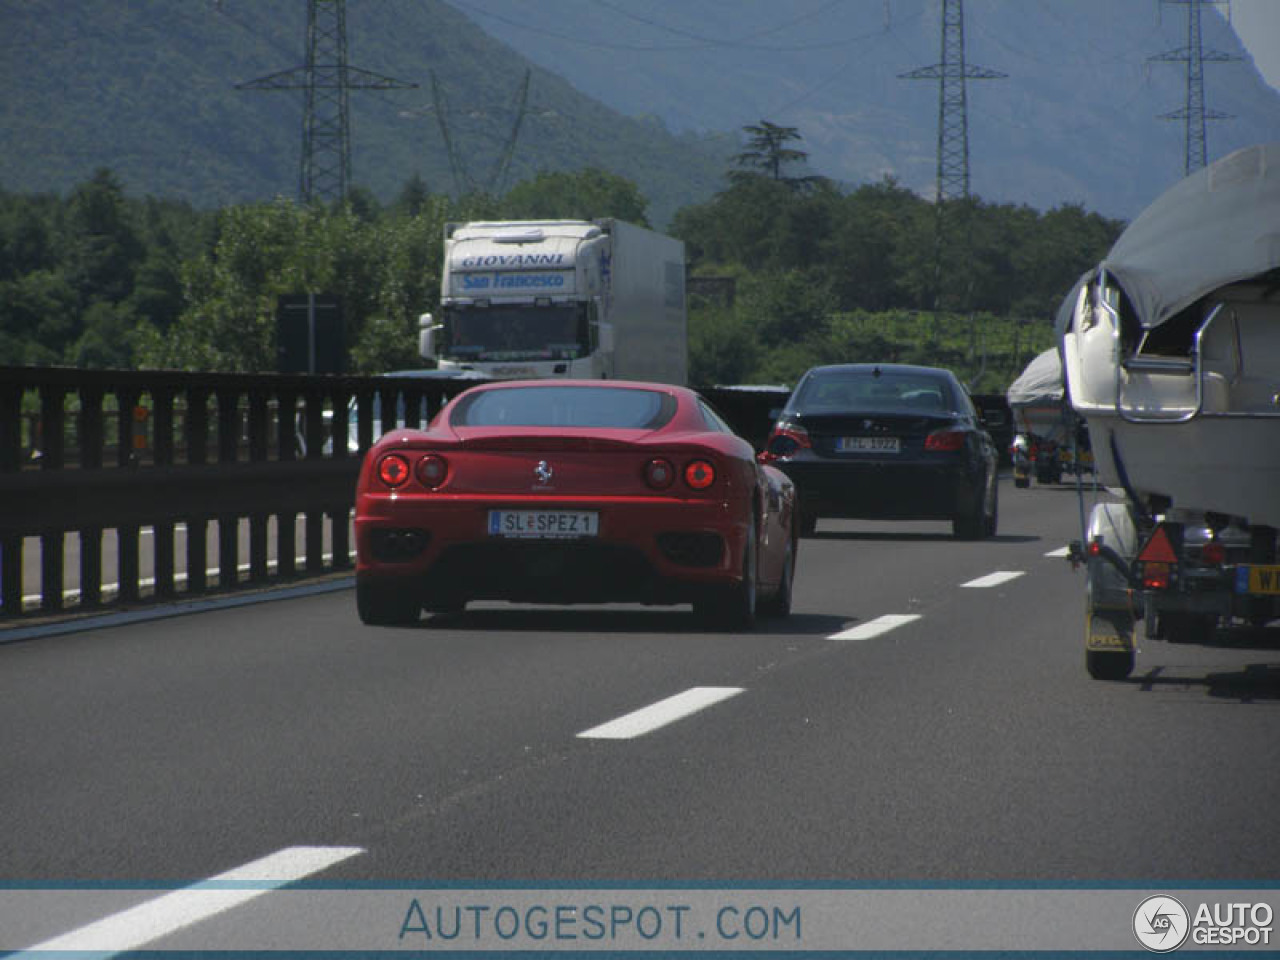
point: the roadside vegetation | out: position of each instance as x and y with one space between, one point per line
788 270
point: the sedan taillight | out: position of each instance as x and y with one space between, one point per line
786 439
945 440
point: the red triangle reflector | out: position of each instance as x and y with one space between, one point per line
1158 549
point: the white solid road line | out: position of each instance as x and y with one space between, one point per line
994 579
660 714
140 925
873 628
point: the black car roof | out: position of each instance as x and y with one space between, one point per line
870 368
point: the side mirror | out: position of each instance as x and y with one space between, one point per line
427 336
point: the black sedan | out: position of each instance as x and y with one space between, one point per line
887 442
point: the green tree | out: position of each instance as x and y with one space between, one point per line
103 247
586 195
767 153
722 346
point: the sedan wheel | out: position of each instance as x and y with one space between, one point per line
972 523
382 605
993 518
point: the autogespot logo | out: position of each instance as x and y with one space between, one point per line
1161 924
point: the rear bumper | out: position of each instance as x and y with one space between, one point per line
654 550
876 490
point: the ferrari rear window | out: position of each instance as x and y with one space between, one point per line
616 408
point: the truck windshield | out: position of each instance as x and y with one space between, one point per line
555 332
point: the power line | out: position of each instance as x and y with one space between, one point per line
700 42
1193 112
952 74
327 79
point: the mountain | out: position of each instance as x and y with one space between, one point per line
1076 119
654 90
147 88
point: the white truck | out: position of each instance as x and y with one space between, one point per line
560 298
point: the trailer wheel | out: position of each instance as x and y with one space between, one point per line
1109 664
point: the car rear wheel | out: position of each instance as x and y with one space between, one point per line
383 605
778 604
972 522
734 607
992 520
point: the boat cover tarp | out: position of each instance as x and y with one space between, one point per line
1040 384
1217 226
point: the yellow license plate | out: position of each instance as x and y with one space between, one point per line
1258 578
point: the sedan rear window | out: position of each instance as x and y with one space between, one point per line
839 392
602 407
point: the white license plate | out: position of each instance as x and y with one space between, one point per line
868 444
544 524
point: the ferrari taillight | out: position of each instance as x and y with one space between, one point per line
659 473
945 440
699 474
393 470
432 470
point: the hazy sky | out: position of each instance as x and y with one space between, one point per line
1257 23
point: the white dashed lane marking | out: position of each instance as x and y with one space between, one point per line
153 919
1060 552
650 718
994 579
873 628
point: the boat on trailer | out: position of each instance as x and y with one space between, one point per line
1171 351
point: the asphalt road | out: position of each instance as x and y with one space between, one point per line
923 716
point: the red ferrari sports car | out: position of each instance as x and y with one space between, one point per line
570 491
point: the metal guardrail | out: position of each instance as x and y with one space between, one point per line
93 459
84 452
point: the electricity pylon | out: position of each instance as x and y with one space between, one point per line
952 74
325 168
1193 110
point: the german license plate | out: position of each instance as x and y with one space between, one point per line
1258 578
544 524
867 444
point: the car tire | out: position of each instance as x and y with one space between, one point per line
383 605
734 607
778 604
1113 665
445 606
971 523
808 523
991 522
